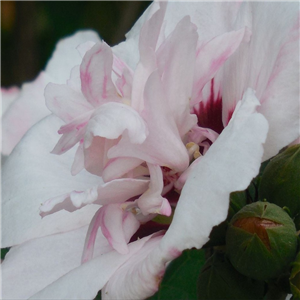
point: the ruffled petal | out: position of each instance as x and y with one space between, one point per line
95 156
147 45
117 225
116 191
163 145
37 176
95 74
112 119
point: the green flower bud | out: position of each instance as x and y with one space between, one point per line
219 280
295 278
261 240
280 180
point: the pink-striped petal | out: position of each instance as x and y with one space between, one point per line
147 45
117 225
212 56
95 74
269 64
151 202
176 62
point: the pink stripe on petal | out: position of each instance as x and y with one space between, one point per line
95 74
116 225
88 249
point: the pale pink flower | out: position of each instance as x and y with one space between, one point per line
171 108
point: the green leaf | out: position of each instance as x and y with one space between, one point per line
181 276
219 280
4 252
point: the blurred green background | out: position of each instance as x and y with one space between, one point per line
30 30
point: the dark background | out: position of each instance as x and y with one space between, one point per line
30 30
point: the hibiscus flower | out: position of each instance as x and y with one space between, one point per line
169 122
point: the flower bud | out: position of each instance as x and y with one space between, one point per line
219 280
280 180
261 240
295 278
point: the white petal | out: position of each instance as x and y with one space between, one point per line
32 175
27 109
269 64
176 62
30 267
85 281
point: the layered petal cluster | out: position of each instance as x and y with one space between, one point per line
169 122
